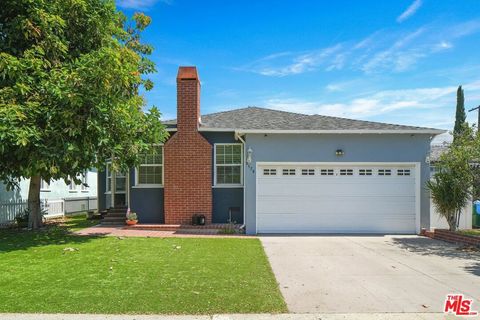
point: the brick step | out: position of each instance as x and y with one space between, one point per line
112 223
175 227
153 227
116 215
113 220
116 210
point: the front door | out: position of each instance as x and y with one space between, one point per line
118 182
120 189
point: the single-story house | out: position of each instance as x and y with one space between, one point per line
279 172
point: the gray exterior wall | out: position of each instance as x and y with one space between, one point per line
321 148
224 197
146 202
101 185
149 202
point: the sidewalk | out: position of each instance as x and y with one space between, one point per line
350 316
122 231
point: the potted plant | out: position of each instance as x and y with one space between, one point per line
132 218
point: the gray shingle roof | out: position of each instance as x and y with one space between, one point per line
255 118
436 151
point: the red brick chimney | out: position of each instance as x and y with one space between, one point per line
187 157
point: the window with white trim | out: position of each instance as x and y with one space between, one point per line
44 185
326 172
108 175
384 172
269 172
403 172
84 178
120 180
365 172
308 172
346 172
150 170
288 172
228 163
72 187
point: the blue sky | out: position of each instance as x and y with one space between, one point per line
392 61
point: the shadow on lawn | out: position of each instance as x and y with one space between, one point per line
429 247
14 239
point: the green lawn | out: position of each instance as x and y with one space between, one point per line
471 232
55 271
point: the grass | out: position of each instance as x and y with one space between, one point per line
471 232
55 271
78 222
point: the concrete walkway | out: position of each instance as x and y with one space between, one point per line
352 316
371 274
121 231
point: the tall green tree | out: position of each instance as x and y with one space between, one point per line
460 115
70 76
454 183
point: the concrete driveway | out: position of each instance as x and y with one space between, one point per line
357 274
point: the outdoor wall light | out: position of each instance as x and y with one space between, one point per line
249 155
339 152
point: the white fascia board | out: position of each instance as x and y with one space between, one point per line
354 131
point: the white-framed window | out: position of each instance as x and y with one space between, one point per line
308 172
403 172
269 172
346 172
72 187
326 172
365 172
84 178
288 172
108 175
228 164
150 172
120 180
44 185
384 172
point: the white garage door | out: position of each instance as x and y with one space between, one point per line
336 198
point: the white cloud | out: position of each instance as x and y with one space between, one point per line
411 10
442 45
396 57
380 52
427 101
140 4
293 64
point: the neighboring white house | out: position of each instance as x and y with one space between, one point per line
55 189
436 221
58 198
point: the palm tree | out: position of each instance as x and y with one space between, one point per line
450 195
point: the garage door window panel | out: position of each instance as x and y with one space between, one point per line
327 172
365 172
308 172
269 172
346 172
288 172
403 172
384 172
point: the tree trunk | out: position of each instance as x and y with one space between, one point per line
452 222
35 218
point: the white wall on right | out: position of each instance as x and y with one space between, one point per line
438 222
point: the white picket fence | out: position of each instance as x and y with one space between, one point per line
54 208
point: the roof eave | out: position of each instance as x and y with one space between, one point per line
349 131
